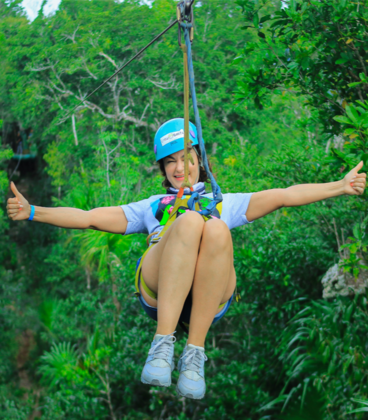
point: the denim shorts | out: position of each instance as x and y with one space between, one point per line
185 313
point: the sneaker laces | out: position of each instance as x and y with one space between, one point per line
162 349
193 359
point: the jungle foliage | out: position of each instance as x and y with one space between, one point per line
282 97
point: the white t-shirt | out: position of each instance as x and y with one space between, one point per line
150 215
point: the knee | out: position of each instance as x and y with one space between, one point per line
217 234
190 226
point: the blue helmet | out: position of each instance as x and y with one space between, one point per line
169 138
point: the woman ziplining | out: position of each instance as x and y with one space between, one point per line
187 274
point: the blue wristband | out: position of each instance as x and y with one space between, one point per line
32 212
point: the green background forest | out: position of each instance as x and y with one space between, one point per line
282 92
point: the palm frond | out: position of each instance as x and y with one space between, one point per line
59 363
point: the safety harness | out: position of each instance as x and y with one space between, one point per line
181 205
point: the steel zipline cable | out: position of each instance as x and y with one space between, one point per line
121 68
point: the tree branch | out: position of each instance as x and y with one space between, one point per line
89 71
72 38
108 58
74 130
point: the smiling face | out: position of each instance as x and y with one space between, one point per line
174 168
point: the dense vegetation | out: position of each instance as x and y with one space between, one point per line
282 96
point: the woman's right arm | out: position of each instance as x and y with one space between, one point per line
106 219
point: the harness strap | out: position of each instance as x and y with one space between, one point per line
139 277
149 237
149 292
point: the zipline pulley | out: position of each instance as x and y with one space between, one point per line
184 14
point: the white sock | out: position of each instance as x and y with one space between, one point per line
158 336
192 346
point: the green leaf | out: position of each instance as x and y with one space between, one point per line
357 232
364 105
280 22
363 77
362 111
238 59
349 131
256 20
305 387
265 18
364 402
341 61
343 120
326 353
352 113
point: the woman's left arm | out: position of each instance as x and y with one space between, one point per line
265 202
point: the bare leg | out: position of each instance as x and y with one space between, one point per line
168 269
214 280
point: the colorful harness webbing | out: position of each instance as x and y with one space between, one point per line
180 206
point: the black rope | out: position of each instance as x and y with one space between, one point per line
121 68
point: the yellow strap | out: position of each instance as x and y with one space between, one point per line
237 295
187 156
149 292
139 269
149 237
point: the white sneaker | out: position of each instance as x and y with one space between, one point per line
159 363
191 383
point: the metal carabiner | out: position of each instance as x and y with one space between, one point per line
188 7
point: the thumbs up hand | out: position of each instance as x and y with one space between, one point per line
18 207
355 183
